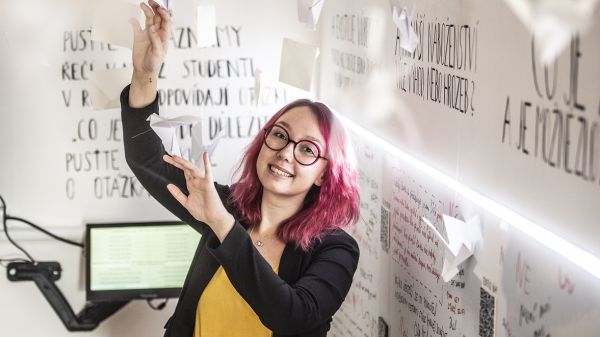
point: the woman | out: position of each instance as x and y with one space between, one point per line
272 258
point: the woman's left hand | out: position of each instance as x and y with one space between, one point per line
203 201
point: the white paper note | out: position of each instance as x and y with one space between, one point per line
110 23
207 23
105 87
309 12
297 63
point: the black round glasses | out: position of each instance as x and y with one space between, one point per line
306 152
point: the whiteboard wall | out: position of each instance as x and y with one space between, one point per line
513 286
472 102
63 162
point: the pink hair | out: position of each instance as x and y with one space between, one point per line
335 204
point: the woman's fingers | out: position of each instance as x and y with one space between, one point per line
155 6
156 42
177 194
170 160
135 25
149 15
189 176
189 166
189 170
165 25
207 167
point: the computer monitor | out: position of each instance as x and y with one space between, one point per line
127 261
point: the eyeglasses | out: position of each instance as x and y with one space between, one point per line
306 152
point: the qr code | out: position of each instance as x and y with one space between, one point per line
384 237
487 309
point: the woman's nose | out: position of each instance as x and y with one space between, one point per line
287 152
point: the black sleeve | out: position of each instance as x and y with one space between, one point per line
144 152
289 309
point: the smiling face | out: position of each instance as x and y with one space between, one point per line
278 171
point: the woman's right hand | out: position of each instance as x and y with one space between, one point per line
150 44
149 51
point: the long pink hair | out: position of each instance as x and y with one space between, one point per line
335 204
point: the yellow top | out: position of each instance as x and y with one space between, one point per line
222 312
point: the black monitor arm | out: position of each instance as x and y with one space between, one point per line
44 274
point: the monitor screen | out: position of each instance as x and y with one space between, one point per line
138 260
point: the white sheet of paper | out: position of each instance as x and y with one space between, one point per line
110 23
297 63
257 86
201 145
309 12
165 129
206 19
554 22
408 38
105 87
461 243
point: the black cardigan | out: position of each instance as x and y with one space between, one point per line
298 301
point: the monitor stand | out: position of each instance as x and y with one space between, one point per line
44 274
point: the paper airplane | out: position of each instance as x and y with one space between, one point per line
309 12
460 240
165 129
554 22
207 23
408 38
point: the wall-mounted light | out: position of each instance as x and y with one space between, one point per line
576 255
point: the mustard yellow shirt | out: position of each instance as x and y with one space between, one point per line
222 312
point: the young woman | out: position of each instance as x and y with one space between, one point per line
272 259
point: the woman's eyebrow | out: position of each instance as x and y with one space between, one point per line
287 126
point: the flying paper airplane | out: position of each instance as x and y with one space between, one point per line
460 240
165 129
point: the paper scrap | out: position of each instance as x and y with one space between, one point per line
207 22
460 240
105 86
309 12
297 63
408 38
554 22
257 86
165 128
110 23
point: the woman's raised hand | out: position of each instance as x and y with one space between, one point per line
149 51
203 201
151 43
